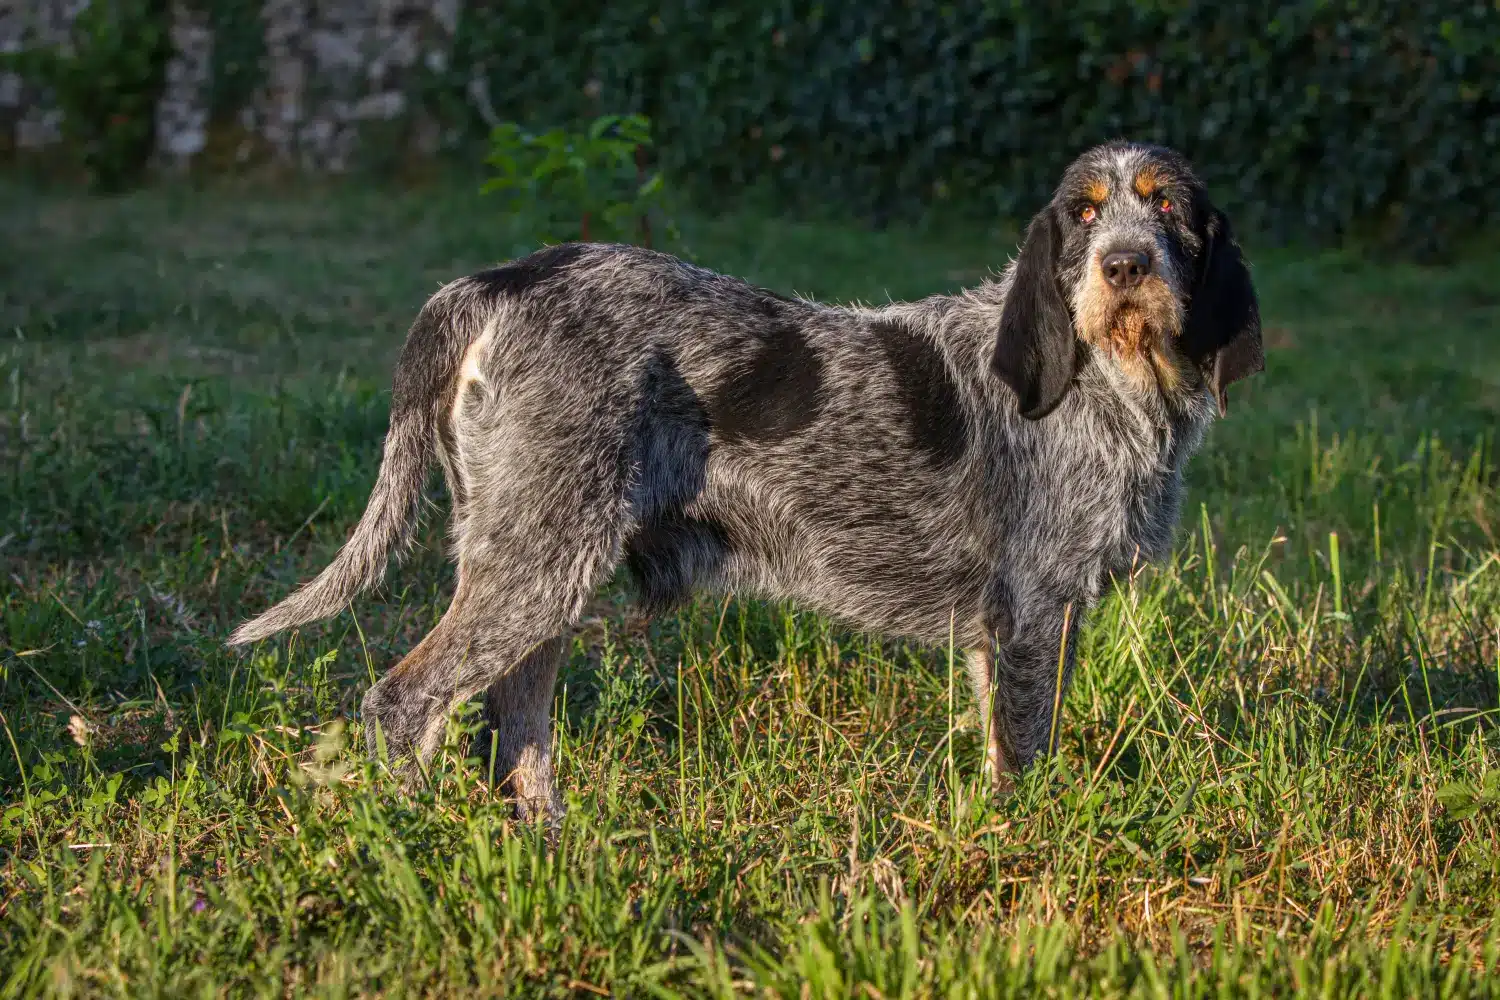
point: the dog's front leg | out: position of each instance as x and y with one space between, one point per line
981 665
1029 672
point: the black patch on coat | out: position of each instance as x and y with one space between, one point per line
669 455
934 411
776 390
527 272
669 557
771 303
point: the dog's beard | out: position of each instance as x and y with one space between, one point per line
1155 343
1132 330
1139 330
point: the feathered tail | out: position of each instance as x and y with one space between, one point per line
424 378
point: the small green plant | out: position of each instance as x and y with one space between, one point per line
106 80
579 185
1467 799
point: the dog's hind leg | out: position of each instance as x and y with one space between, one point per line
405 712
493 640
517 711
538 525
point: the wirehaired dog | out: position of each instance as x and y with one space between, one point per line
988 459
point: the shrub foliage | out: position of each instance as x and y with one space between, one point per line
1310 117
588 184
106 79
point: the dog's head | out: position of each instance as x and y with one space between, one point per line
1131 259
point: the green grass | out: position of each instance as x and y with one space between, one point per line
1280 768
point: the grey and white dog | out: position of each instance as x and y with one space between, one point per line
987 460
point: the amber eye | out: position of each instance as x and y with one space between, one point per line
1165 204
1088 214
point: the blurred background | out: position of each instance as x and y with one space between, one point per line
1309 119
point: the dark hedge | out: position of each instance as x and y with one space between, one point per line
1308 118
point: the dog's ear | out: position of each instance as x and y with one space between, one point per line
1222 333
1036 349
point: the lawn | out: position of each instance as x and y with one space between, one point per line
1280 764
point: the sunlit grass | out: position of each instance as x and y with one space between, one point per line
1279 757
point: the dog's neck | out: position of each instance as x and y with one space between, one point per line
1130 441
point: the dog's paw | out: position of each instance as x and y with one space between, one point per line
546 811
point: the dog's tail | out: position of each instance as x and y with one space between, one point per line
424 380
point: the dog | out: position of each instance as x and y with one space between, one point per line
981 465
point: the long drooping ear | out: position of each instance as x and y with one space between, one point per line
1036 349
1222 333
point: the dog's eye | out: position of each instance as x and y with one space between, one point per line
1165 204
1088 214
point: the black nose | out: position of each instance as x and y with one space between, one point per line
1126 269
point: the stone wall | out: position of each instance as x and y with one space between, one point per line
328 68
25 115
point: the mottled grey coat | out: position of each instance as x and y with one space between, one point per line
985 460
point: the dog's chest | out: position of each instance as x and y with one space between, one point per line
1125 487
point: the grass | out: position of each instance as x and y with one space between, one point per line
1279 760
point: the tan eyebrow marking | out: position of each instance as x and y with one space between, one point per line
1147 181
1096 191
